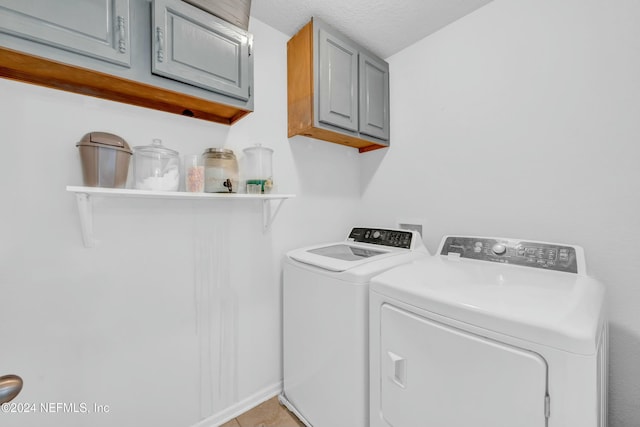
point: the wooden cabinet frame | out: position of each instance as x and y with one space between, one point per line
303 92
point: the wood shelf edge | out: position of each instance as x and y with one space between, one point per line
371 148
362 145
45 72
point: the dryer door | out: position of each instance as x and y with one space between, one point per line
436 375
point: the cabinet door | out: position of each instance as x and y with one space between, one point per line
374 97
338 82
96 28
195 47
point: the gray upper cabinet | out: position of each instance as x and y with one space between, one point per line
162 54
338 82
374 97
94 28
337 91
352 86
195 47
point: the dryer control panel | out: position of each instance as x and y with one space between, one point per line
547 256
378 236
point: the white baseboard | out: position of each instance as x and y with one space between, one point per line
283 400
241 407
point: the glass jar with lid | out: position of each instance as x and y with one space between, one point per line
258 168
220 171
156 167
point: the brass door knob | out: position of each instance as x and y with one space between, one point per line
10 386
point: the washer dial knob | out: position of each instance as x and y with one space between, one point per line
499 249
376 234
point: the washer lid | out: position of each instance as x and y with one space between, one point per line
364 245
346 252
343 256
556 309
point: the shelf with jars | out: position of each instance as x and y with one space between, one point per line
156 175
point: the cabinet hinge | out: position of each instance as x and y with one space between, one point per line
547 406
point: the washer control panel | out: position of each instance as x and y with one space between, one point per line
547 256
378 236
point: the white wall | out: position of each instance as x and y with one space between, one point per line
521 120
518 120
175 315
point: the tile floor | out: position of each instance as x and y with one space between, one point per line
268 414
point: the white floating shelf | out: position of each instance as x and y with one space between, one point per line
84 197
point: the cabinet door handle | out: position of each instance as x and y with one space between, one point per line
160 36
122 36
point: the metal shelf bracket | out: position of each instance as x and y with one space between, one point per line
85 209
268 216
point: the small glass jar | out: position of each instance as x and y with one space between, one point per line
220 171
193 174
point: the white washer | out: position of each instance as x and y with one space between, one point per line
325 323
491 332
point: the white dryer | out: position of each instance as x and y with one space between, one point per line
491 332
325 323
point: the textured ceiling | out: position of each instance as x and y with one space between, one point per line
383 26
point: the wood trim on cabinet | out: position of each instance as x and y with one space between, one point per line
300 80
44 72
339 138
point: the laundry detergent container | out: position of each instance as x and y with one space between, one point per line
105 160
